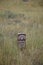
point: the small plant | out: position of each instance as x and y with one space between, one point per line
25 0
9 15
41 3
1 40
17 21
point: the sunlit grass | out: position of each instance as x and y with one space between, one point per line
15 18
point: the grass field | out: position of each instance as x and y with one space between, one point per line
22 17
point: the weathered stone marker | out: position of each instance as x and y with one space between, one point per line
21 40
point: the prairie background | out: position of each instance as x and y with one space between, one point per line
24 16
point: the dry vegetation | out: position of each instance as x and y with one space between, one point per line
21 17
